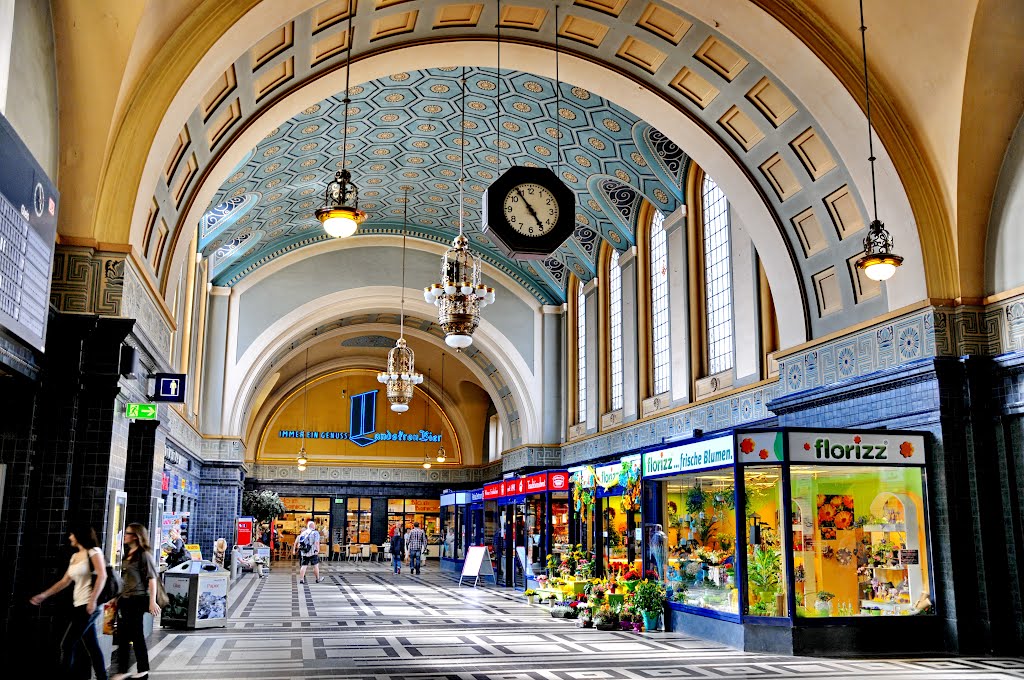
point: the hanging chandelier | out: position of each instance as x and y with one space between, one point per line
461 294
340 213
426 411
401 376
301 460
441 456
878 262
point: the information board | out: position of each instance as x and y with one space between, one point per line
28 226
477 564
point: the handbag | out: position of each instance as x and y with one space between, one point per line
110 618
161 595
111 588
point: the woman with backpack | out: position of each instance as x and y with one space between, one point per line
86 562
139 595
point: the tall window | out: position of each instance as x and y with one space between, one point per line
581 355
659 304
615 327
717 279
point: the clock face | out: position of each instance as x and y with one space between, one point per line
530 209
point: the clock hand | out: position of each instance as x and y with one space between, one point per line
530 208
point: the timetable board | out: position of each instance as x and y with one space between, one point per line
28 226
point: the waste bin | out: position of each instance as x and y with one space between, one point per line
198 594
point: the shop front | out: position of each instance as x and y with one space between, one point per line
795 541
617 496
404 513
494 528
456 511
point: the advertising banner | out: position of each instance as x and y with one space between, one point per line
243 530
558 481
212 603
710 453
493 491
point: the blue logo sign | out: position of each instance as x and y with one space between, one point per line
362 426
170 387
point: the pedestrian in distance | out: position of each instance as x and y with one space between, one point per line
397 551
138 596
417 541
176 551
81 631
307 545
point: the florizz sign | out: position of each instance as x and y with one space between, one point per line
701 455
876 448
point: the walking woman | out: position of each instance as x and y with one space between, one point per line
87 560
139 573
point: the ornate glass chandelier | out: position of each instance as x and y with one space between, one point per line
401 376
878 262
460 295
340 213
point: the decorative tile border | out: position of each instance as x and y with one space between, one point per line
324 474
86 281
530 456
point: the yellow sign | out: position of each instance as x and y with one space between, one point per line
194 550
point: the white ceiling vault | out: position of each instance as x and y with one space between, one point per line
795 168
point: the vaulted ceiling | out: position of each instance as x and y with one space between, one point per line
404 134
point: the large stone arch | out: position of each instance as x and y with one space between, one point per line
813 86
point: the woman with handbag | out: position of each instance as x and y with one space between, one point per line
85 563
139 572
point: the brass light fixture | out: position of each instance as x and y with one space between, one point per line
426 409
878 262
441 456
401 376
301 460
340 213
460 295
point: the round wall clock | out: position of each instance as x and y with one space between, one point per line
528 212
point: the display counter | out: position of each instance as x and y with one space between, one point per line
795 541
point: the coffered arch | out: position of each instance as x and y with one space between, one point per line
665 54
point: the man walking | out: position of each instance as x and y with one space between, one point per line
397 550
307 545
417 541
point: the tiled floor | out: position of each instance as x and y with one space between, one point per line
363 622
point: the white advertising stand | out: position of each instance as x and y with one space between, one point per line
477 564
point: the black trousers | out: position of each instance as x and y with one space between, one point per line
81 632
130 611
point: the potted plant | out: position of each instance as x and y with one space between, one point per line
628 619
695 500
560 610
605 618
630 579
824 603
531 595
584 620
649 600
765 575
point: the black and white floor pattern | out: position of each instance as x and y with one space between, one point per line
364 623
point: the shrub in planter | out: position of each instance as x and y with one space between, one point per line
560 611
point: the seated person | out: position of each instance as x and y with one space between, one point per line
253 562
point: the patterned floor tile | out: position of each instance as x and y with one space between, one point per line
364 623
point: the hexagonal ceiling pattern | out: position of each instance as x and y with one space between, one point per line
404 131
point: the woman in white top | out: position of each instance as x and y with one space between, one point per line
87 560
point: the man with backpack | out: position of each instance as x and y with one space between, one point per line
307 545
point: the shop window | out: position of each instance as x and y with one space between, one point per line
766 571
358 520
701 540
859 541
560 523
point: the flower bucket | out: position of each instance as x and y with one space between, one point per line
650 620
626 625
629 585
531 598
606 626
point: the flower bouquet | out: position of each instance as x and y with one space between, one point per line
605 618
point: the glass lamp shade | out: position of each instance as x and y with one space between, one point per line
301 468
880 267
458 341
399 408
340 222
426 465
441 455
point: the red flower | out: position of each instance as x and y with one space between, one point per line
848 502
763 454
844 519
807 447
747 445
906 449
856 440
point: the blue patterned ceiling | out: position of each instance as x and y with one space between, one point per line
404 132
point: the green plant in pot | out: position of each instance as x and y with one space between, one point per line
649 600
606 618
696 498
824 603
531 595
765 575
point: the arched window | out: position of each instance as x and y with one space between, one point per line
717 278
615 328
581 355
659 305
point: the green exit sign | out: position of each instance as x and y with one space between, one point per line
140 411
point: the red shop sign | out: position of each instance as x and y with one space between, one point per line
492 491
558 481
536 483
510 486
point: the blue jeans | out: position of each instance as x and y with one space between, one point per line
81 633
414 561
396 561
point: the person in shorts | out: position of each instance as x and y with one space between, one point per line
307 545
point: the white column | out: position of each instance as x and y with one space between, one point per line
6 42
630 339
553 413
212 408
678 304
745 325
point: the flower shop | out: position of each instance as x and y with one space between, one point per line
607 513
794 541
536 517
